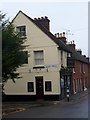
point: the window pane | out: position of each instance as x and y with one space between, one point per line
30 87
48 86
39 57
22 30
38 54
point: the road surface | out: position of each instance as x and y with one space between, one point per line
65 110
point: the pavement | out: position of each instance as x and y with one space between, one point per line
78 96
13 107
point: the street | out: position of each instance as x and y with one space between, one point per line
66 110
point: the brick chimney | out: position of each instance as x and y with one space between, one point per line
88 59
61 36
72 45
79 51
44 21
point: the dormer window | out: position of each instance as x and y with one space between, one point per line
21 30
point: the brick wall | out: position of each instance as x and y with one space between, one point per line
80 76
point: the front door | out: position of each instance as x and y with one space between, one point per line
39 87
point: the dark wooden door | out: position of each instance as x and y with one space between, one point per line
39 87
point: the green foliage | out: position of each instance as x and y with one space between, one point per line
13 55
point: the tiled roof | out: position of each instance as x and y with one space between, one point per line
77 56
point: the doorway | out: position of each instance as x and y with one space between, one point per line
39 87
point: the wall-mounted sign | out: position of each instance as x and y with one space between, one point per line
52 65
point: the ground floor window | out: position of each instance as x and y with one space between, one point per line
30 86
48 86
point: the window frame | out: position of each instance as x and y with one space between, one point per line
39 65
22 32
28 87
49 89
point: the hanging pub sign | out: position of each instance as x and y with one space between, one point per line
70 63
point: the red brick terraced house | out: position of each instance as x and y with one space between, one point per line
76 75
80 74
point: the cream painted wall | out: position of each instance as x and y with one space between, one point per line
35 37
20 87
64 62
65 59
37 40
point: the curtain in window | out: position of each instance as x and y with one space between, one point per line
39 57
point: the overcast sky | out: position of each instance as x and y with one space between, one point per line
70 17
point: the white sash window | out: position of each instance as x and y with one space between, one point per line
39 57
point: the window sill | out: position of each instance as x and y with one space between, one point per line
36 67
48 91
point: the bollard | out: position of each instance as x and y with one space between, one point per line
67 94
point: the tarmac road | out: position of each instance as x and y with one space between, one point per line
72 110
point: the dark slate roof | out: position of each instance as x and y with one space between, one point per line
62 46
48 33
78 56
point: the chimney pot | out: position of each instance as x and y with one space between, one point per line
84 55
63 34
60 34
44 21
46 17
79 51
73 41
35 18
55 35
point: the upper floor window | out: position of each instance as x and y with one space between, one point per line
21 30
39 57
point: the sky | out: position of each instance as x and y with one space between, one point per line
69 17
